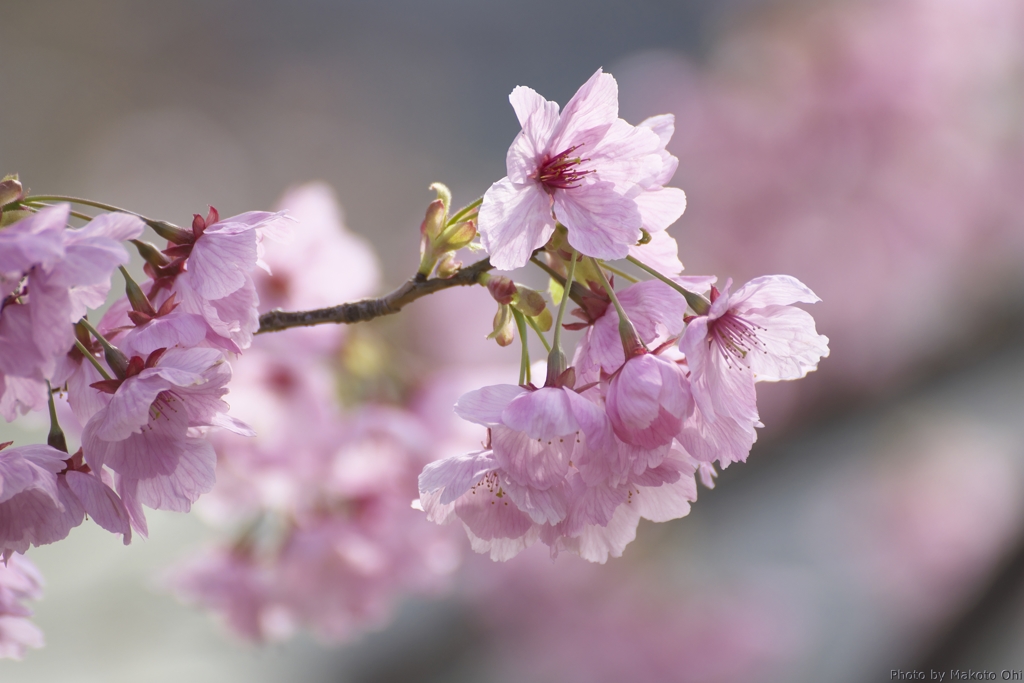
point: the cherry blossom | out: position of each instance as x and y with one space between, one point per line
146 432
583 167
19 581
751 335
43 495
65 272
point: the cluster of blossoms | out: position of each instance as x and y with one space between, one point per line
661 387
318 503
852 139
144 390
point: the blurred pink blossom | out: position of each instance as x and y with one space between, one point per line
871 149
19 581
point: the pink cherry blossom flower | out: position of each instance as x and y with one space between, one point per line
535 434
43 496
471 489
600 520
146 432
751 335
66 271
19 581
583 167
656 311
647 400
212 278
33 509
658 485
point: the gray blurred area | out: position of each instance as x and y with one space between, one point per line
173 106
167 107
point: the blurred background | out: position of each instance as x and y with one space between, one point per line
872 149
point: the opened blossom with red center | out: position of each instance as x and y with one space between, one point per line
584 168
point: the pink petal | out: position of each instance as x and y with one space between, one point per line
541 414
601 222
772 290
502 549
192 476
597 543
176 329
35 240
661 207
484 406
647 401
19 395
490 516
544 506
100 503
19 354
595 104
538 118
514 220
540 463
150 452
117 227
661 253
232 424
455 475
789 345
220 262
129 409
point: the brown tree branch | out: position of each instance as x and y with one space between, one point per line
368 309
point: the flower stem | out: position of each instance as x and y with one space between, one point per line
55 438
624 275
464 211
116 359
557 343
524 361
699 304
556 357
609 289
92 359
540 334
632 345
35 206
162 228
35 199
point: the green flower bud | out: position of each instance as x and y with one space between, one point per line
504 326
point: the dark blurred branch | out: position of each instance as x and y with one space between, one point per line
368 309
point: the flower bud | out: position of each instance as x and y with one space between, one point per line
543 320
632 345
502 289
10 190
13 216
443 194
151 254
171 233
529 301
138 299
504 326
457 236
448 266
433 223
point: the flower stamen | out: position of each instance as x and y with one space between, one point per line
561 172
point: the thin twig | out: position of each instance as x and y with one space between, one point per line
368 309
